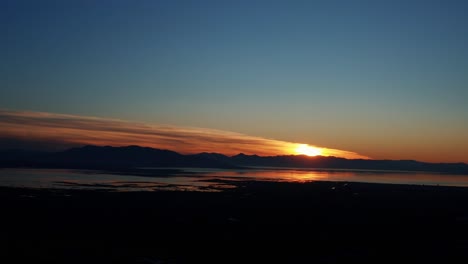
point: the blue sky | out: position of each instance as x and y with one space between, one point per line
365 76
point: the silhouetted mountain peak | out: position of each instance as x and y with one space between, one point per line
244 155
211 154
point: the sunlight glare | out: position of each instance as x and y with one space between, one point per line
304 149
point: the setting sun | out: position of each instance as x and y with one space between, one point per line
304 149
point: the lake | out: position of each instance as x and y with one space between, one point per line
198 179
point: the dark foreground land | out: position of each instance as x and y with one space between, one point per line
258 222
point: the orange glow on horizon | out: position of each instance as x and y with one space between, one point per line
304 149
48 129
313 151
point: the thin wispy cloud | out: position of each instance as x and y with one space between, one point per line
60 130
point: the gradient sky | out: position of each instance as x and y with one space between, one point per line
386 79
49 131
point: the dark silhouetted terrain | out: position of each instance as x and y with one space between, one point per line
94 157
257 222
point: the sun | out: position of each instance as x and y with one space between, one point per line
304 149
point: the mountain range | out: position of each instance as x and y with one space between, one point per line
107 157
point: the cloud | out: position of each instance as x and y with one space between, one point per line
55 131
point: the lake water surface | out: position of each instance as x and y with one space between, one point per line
209 179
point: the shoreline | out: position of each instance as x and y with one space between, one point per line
192 179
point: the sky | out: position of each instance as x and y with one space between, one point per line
385 79
55 132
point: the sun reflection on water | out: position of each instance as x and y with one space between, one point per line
199 179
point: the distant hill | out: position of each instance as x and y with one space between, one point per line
94 157
301 161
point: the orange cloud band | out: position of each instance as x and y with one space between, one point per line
72 130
